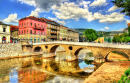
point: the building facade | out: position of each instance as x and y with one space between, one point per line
52 30
76 36
14 34
32 29
63 33
4 33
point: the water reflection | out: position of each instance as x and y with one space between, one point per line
36 69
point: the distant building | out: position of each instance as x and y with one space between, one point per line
14 34
100 39
4 33
32 29
125 30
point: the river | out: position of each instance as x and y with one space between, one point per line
38 70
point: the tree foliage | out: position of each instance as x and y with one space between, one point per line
129 30
121 38
126 77
125 4
90 34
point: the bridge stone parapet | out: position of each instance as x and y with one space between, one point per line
73 48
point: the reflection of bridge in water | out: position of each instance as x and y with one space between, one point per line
99 50
70 70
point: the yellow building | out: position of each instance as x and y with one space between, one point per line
100 39
4 33
63 33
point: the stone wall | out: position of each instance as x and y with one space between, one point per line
10 50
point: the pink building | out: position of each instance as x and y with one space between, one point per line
32 29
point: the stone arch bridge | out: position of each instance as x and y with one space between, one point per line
74 47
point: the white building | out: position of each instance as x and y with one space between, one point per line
4 33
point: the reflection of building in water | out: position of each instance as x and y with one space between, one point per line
31 76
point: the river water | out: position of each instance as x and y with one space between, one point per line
39 70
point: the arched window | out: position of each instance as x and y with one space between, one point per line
21 39
34 40
27 40
4 39
30 40
41 39
38 40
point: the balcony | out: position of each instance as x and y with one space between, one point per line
53 32
53 36
38 28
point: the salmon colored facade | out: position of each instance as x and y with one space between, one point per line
32 29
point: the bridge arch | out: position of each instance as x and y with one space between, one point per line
53 48
38 49
125 55
86 51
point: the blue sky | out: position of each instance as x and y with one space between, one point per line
100 15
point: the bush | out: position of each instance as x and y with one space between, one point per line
125 78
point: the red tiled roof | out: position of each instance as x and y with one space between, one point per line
12 27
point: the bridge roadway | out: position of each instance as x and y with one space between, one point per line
73 48
108 45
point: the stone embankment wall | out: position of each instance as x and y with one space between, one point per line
10 50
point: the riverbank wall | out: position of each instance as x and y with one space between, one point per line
10 50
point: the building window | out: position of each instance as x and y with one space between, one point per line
34 31
38 40
22 24
38 32
42 26
35 25
22 31
48 25
41 33
30 31
27 23
27 31
38 25
44 33
4 29
31 23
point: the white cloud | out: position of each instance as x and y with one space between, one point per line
30 2
55 19
113 8
120 29
71 11
12 18
99 3
44 5
35 12
112 18
85 4
106 28
127 21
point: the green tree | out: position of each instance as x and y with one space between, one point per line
90 34
129 30
109 40
125 4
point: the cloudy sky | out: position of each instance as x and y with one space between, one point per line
100 15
